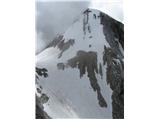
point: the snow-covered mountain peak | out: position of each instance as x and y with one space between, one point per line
85 68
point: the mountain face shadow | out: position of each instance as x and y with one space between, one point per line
114 35
116 80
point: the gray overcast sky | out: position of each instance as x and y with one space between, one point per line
55 16
113 8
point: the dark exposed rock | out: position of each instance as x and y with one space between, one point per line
44 98
89 28
86 12
36 78
59 42
40 87
113 30
84 25
94 15
56 41
39 90
63 46
84 60
114 34
40 113
87 62
85 21
100 70
41 72
90 36
102 101
115 79
60 66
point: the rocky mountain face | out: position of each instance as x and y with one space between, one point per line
85 67
113 56
41 98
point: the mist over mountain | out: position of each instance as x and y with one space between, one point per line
54 18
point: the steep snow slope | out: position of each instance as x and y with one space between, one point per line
77 65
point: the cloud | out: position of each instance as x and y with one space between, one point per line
54 18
